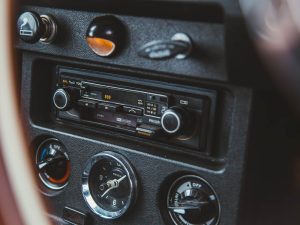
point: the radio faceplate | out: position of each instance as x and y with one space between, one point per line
151 110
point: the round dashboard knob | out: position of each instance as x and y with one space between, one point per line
33 27
175 120
30 27
61 99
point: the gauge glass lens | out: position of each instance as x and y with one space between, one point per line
192 201
53 164
109 185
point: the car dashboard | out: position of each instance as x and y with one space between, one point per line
150 112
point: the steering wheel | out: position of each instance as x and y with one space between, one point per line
275 28
20 202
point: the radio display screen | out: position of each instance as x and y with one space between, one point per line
124 97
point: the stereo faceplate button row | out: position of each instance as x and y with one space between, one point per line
109 107
147 130
133 111
87 104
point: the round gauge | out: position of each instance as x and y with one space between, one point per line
192 201
109 185
53 164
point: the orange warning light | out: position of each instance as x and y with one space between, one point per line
100 46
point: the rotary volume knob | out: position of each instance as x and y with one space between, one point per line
62 99
175 121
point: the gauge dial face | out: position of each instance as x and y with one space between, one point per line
192 201
53 164
109 185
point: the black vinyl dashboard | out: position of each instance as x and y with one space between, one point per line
140 113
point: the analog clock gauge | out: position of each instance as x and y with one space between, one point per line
109 185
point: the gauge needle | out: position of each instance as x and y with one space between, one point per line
188 206
112 184
122 178
43 164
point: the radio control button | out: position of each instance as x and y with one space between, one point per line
133 111
176 121
171 122
147 130
109 107
152 121
157 98
151 109
61 99
87 104
153 98
163 99
140 102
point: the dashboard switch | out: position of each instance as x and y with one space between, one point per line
133 111
33 28
147 130
87 104
108 107
176 121
180 47
61 99
74 216
64 98
105 35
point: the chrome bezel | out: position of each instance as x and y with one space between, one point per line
170 112
86 189
51 29
65 94
184 38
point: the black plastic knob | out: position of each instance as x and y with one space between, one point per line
175 121
32 27
62 99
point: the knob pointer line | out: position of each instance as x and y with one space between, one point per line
113 184
43 164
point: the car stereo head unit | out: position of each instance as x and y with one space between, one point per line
149 110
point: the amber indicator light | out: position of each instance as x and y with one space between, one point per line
100 46
105 35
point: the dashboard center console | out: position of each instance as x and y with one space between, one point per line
132 118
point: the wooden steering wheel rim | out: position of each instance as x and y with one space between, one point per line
20 201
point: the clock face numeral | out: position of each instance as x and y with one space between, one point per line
109 185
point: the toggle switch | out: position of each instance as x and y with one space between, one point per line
32 27
106 35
